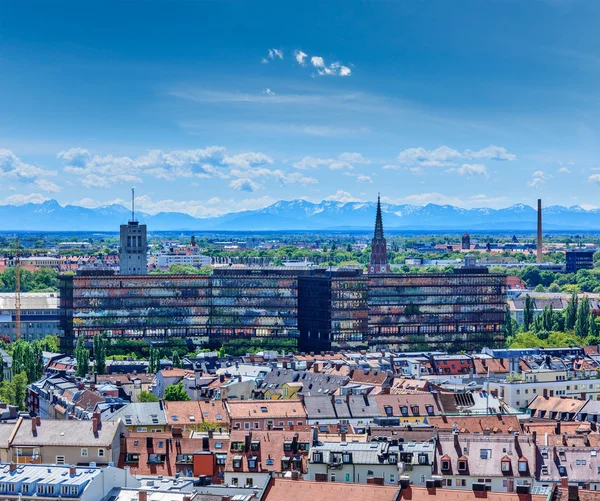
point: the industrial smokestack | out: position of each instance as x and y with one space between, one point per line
539 231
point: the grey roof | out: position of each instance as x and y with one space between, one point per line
65 433
341 407
46 474
580 464
30 301
142 414
6 430
319 407
313 382
363 406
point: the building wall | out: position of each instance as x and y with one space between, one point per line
355 473
499 484
133 249
242 478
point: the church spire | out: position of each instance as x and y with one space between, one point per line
378 221
379 261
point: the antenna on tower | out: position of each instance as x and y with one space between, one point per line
132 205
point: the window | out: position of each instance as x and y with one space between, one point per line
522 466
347 477
317 457
448 482
332 478
84 452
234 481
221 459
462 465
486 454
60 460
218 445
101 453
505 466
161 444
136 442
463 482
249 481
445 465
388 410
141 429
269 462
246 426
256 426
237 461
392 478
404 410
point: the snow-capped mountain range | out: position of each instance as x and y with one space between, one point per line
301 215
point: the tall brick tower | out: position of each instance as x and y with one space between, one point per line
379 261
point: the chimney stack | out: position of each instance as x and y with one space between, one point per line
34 426
12 467
539 231
95 425
72 470
142 496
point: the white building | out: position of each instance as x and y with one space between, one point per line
166 260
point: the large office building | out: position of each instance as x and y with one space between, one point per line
324 308
579 259
39 315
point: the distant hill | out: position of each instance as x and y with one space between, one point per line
301 215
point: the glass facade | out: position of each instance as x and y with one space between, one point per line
338 308
456 311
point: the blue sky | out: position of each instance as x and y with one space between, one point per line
212 107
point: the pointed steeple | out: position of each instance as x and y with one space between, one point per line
378 221
379 261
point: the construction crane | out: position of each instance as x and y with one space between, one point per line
17 264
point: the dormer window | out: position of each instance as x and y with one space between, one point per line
445 465
388 410
462 466
237 461
252 461
404 410
522 465
429 409
392 459
415 410
505 464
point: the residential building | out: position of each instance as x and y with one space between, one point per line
472 462
354 462
29 481
143 417
66 442
265 414
166 260
255 455
167 377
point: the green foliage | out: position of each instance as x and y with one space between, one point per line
528 313
14 392
237 347
99 354
206 426
146 396
571 312
554 287
27 359
222 353
176 393
82 356
582 322
50 343
42 280
154 361
176 360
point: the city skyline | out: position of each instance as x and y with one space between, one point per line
234 108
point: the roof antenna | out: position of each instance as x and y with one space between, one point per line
132 205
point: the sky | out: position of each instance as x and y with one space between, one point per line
213 107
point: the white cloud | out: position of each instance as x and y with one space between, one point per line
539 178
343 161
244 185
594 178
342 196
446 156
269 92
492 152
429 198
105 171
34 198
564 170
13 167
472 170
361 178
300 57
354 158
317 62
334 68
275 53
47 185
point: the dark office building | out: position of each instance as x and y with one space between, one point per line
579 259
332 310
456 311
135 306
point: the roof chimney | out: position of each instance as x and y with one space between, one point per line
12 467
34 426
95 425
72 470
142 496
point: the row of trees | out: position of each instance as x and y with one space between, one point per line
576 325
82 356
42 280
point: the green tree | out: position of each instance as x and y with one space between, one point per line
20 390
82 356
146 396
99 354
571 312
50 343
222 353
176 393
554 287
176 360
539 288
528 313
582 320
